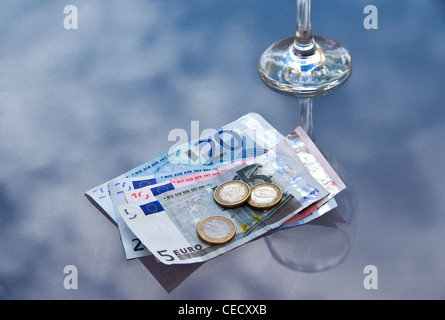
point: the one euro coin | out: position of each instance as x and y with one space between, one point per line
216 230
264 196
232 194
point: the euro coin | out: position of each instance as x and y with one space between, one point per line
216 230
264 196
232 194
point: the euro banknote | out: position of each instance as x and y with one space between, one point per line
166 168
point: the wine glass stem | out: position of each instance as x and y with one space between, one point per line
303 39
306 116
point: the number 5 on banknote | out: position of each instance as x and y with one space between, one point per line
249 176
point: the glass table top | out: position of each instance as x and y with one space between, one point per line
82 106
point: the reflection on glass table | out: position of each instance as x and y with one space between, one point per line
322 243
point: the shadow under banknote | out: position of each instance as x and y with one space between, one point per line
169 276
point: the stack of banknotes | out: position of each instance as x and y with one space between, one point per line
160 205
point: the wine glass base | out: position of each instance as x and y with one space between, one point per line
285 70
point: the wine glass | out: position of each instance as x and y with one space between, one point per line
308 66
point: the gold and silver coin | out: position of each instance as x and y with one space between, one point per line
264 196
232 194
216 230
